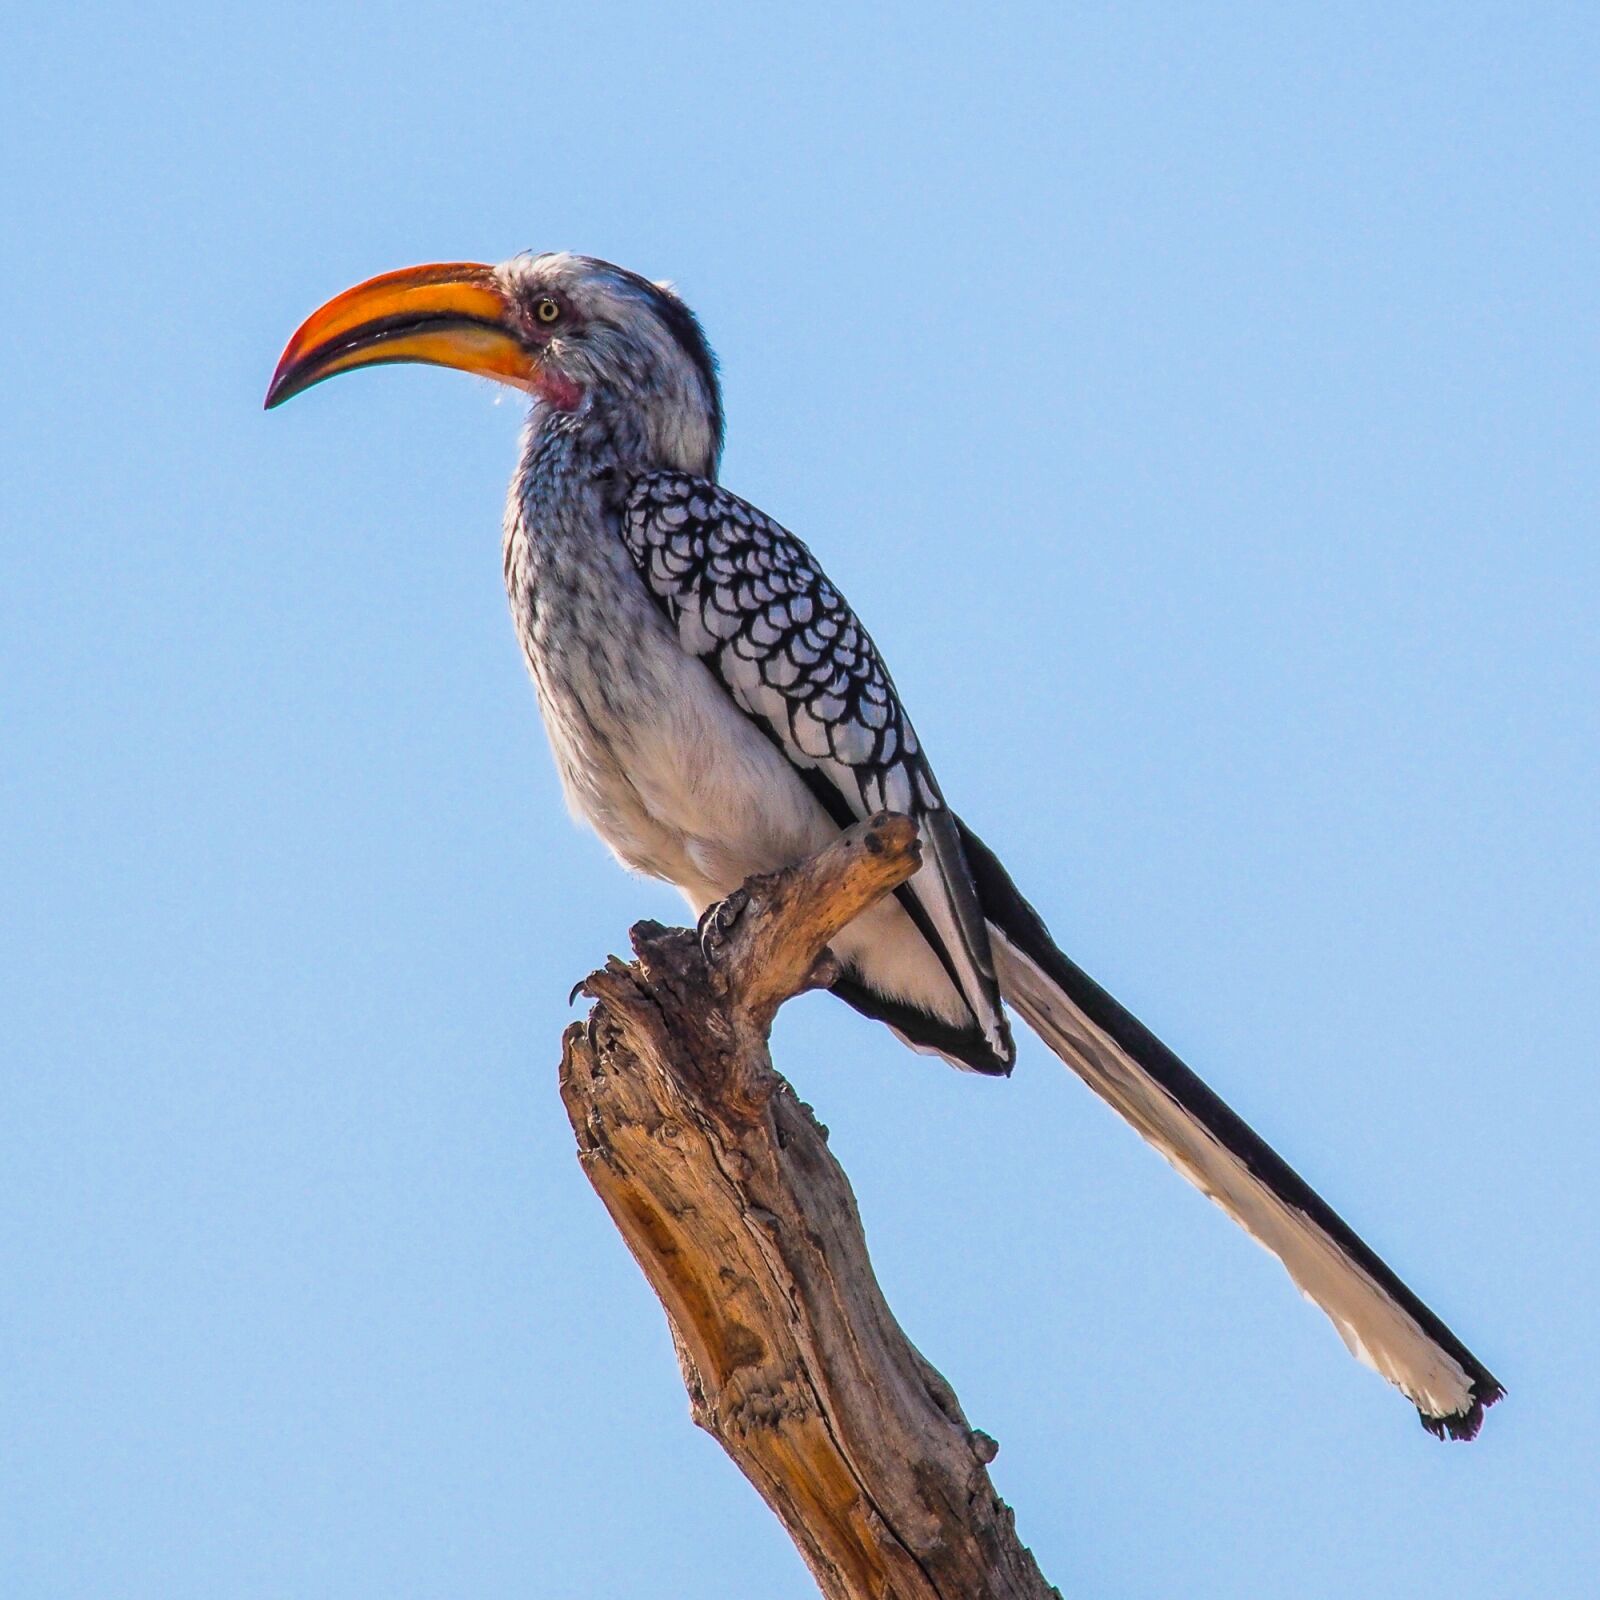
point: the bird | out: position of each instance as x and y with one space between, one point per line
717 710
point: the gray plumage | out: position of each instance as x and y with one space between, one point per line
695 667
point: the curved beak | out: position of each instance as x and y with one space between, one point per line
451 315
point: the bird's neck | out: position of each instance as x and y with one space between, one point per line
619 432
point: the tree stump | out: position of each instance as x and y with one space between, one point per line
722 1184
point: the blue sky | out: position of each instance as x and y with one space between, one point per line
1199 405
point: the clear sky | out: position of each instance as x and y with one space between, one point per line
1200 406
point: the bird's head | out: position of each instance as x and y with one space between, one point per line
572 332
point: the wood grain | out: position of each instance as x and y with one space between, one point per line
722 1184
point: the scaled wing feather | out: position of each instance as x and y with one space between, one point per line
749 599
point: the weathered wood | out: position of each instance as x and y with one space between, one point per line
722 1184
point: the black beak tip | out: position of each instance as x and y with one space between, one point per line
278 391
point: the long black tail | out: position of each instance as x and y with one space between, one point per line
1381 1321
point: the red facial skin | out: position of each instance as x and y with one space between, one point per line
557 391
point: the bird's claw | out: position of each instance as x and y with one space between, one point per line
717 922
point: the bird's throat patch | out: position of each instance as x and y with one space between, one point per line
557 391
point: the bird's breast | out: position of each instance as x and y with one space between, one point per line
651 750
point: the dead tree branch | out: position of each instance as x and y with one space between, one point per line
722 1184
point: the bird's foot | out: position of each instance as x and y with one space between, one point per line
717 922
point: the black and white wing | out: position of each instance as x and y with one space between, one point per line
748 599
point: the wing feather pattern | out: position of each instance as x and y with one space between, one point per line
749 599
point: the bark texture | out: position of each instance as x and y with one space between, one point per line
722 1184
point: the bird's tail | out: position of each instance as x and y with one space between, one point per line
1379 1319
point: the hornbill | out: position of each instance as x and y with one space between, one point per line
716 710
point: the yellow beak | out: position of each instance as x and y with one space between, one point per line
451 315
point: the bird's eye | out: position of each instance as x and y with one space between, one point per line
547 311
